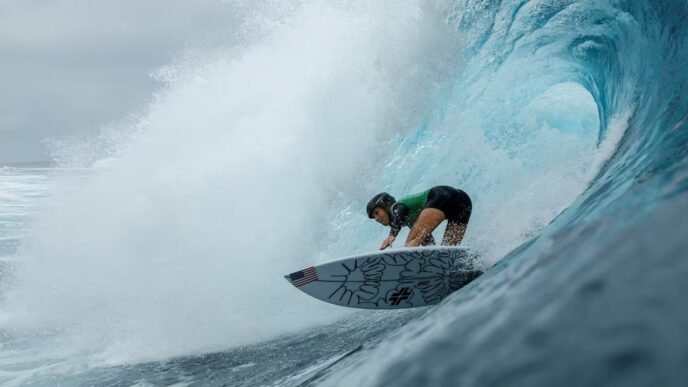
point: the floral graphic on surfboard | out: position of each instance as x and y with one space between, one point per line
394 279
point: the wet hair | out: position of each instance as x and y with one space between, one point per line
382 200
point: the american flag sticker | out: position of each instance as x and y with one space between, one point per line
303 277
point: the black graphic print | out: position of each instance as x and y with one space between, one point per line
426 278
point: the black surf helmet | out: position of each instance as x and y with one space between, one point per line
382 200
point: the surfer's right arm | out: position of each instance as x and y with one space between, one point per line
388 242
399 217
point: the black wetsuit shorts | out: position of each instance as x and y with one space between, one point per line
455 203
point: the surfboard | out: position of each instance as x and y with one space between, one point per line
390 279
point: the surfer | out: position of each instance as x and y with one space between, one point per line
422 213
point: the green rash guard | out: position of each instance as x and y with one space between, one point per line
406 210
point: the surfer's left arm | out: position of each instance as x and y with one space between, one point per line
427 222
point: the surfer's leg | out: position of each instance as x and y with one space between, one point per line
453 234
427 222
428 241
457 207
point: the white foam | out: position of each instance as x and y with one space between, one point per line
178 240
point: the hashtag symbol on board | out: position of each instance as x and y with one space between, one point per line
399 296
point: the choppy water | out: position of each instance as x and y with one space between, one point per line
566 121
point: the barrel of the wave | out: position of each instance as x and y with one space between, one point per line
394 279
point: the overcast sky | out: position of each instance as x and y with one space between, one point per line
74 65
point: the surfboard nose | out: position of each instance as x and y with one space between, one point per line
290 279
303 277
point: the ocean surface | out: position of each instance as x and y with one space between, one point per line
152 253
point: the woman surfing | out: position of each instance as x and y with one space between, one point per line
422 213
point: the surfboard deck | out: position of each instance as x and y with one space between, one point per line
390 279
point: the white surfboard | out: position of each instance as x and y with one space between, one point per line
390 279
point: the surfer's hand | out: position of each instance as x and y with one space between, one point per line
387 242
